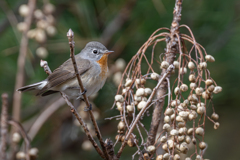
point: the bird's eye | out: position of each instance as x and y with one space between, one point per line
95 51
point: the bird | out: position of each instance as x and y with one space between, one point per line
92 63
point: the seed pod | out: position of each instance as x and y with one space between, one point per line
22 26
144 99
208 82
183 70
20 155
141 105
175 102
215 116
155 76
191 65
165 147
180 108
42 52
193 107
199 131
188 139
199 91
16 137
193 85
194 141
216 125
51 30
151 149
130 142
193 98
164 65
217 89
201 110
184 114
174 132
166 127
166 156
211 88
143 81
163 139
42 24
188 158
137 98
181 124
202 145
183 147
176 157
176 64
128 82
183 87
192 115
179 119
124 91
159 157
137 81
202 65
205 95
121 126
210 58
198 157
119 98
190 131
24 10
169 111
201 104
180 138
170 143
130 109
172 117
182 130
167 119
40 35
177 90
38 14
140 92
192 78
147 91
33 152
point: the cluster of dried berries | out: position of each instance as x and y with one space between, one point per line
44 26
185 115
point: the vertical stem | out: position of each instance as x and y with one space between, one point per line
171 51
4 126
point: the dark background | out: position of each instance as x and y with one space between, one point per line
215 24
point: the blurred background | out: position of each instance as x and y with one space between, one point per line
123 26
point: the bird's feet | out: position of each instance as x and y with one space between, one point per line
81 94
86 109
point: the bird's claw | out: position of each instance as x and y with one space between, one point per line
88 108
82 93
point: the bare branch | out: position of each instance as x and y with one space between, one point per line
70 36
4 126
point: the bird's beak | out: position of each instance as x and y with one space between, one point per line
108 52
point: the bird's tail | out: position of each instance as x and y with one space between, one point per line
35 86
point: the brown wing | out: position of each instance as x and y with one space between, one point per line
65 72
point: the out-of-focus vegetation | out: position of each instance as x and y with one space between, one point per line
215 24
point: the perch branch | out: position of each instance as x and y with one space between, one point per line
70 36
44 64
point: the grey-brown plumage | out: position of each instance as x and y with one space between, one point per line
90 67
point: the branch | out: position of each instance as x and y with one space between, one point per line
44 64
24 135
4 126
172 49
21 62
170 68
70 36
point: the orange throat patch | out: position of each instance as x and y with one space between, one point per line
104 66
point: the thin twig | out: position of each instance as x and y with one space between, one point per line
70 36
4 126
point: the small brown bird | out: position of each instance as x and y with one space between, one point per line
92 67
